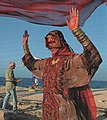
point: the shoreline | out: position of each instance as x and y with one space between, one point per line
27 82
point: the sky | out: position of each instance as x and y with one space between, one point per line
11 34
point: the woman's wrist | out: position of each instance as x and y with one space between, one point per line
26 48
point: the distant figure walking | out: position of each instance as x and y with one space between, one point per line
11 83
35 80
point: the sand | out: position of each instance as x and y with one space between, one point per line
30 101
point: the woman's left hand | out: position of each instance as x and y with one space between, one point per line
72 23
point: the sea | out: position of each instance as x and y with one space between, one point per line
27 82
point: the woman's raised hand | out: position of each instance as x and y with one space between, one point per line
25 38
73 23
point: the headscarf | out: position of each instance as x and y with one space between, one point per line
65 48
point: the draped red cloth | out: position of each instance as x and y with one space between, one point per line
47 12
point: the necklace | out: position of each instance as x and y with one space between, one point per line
55 61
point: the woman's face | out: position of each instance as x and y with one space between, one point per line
53 43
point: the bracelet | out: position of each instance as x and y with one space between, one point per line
89 47
76 30
82 39
86 43
81 34
78 33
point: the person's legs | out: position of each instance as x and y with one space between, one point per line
14 99
6 99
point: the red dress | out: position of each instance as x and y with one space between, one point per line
65 97
56 105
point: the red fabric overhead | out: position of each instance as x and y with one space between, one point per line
47 12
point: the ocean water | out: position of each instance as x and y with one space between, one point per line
27 82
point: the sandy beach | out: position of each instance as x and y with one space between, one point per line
30 101
100 96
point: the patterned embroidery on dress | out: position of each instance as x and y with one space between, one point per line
53 84
55 61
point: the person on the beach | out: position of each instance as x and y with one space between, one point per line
66 75
10 86
35 82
